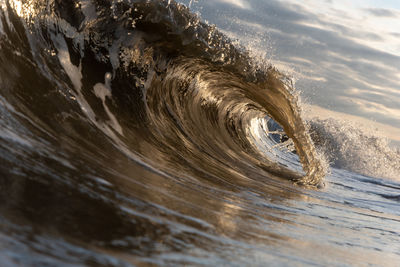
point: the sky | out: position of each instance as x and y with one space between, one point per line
382 17
344 55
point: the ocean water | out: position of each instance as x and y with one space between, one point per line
197 133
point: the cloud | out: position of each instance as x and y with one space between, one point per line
395 34
382 12
238 3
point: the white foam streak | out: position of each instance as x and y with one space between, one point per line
74 74
102 91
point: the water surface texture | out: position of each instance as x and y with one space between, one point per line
136 133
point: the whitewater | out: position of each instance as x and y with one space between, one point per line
159 133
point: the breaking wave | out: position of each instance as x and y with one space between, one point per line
133 133
147 77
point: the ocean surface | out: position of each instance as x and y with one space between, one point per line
197 133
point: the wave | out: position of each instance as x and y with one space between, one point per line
149 79
133 133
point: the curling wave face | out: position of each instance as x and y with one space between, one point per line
169 91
